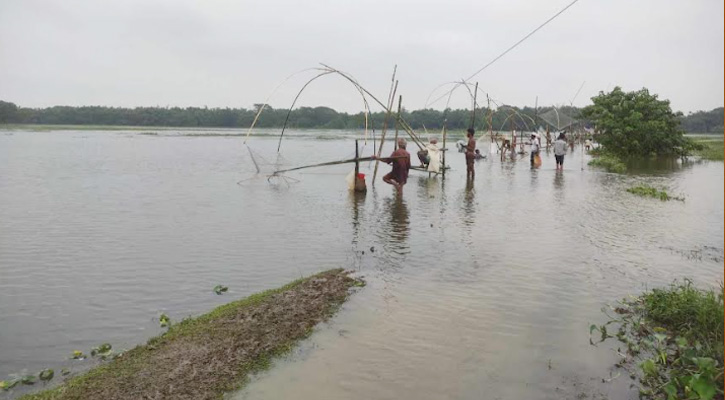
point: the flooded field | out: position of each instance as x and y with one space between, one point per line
482 290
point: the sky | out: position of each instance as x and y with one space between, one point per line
215 53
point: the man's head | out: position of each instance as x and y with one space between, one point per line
402 143
470 132
562 136
478 151
433 141
533 136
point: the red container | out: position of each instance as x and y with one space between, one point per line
361 176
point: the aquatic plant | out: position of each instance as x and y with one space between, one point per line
78 355
46 374
649 191
219 289
164 320
610 163
674 339
102 351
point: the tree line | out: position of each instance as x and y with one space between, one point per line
502 118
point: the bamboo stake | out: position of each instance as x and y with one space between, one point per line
473 111
397 121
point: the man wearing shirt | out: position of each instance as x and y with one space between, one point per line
535 146
560 151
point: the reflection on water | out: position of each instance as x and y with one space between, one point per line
480 289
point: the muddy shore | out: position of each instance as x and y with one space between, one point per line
207 356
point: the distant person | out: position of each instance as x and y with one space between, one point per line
560 151
400 159
535 147
478 155
588 144
470 153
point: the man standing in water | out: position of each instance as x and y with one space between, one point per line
535 147
401 165
560 151
470 154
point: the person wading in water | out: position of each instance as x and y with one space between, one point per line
470 154
400 159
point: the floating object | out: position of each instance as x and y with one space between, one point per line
78 355
219 289
46 374
164 320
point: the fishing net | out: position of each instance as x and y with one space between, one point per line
557 119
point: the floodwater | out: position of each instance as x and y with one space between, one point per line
475 290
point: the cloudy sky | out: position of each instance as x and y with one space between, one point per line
234 53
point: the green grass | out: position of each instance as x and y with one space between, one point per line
710 148
610 163
649 191
696 315
674 341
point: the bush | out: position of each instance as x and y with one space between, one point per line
610 163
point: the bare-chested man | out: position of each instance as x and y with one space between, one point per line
470 154
400 159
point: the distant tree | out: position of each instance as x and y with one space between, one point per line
8 112
636 124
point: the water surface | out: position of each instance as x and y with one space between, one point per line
482 289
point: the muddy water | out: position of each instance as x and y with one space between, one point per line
480 290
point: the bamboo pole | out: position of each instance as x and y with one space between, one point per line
397 121
445 132
406 127
391 96
325 164
473 111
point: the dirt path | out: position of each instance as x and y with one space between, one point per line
204 357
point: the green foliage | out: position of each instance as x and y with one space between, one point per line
649 191
636 124
710 149
303 117
219 289
610 163
46 374
704 121
677 333
164 320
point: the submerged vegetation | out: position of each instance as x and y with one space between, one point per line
207 356
610 163
674 341
649 191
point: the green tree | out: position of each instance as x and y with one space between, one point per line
8 112
636 124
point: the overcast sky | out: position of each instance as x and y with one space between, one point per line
234 53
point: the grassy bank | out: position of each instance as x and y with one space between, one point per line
207 356
712 148
674 341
